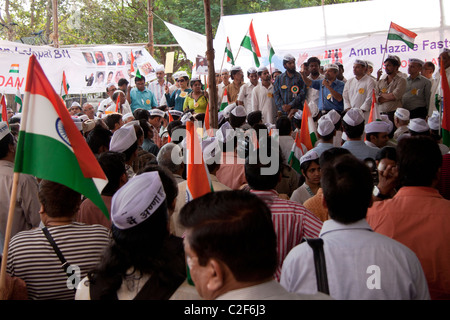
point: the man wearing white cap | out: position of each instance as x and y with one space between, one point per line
245 94
330 90
26 212
401 121
358 90
289 88
377 134
434 122
418 127
157 87
105 103
418 91
124 140
353 124
389 90
262 97
326 132
75 108
370 69
224 81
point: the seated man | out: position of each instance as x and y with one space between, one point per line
222 268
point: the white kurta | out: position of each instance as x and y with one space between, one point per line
245 95
358 94
262 100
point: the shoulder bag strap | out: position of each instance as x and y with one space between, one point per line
319 264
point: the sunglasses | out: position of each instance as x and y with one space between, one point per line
180 80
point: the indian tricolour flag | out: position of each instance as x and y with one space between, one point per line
230 58
297 152
270 49
14 68
198 181
399 33
445 106
50 146
224 102
249 42
308 130
18 98
374 113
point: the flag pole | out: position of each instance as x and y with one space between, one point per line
12 206
223 60
235 59
385 46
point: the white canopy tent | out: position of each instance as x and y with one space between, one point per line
310 31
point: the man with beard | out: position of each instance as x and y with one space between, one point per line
289 89
312 95
389 90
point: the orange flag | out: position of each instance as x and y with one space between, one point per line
374 114
4 110
197 175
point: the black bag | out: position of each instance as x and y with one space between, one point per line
319 264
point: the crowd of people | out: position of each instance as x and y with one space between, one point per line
364 215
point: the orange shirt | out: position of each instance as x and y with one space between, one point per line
314 204
419 217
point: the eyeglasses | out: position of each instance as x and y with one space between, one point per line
180 80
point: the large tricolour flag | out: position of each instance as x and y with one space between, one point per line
249 42
270 49
224 102
197 175
445 106
308 130
50 146
399 33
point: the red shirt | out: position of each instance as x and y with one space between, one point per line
292 222
419 217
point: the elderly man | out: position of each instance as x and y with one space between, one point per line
289 88
234 87
330 90
390 89
358 90
88 109
157 87
106 103
418 91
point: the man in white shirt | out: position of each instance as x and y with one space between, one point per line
158 86
262 97
360 263
106 103
312 95
245 93
358 90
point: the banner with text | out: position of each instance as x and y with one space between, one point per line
87 69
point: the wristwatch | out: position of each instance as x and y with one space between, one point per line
378 194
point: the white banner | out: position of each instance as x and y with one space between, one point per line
87 69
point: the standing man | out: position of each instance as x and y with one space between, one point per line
417 215
26 212
389 90
262 97
289 89
428 72
358 90
312 95
158 86
140 96
234 87
245 94
224 81
418 91
330 90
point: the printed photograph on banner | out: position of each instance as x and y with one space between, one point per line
111 61
147 68
110 76
120 60
89 78
119 75
89 58
100 58
201 65
100 78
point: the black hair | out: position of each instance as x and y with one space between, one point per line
140 113
4 145
112 119
122 81
284 126
254 117
347 186
387 152
113 165
98 137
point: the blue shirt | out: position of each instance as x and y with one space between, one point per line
360 150
321 147
326 101
176 100
142 99
283 94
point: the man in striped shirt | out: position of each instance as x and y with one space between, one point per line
32 258
291 220
158 86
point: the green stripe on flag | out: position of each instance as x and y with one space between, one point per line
247 43
43 150
392 36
